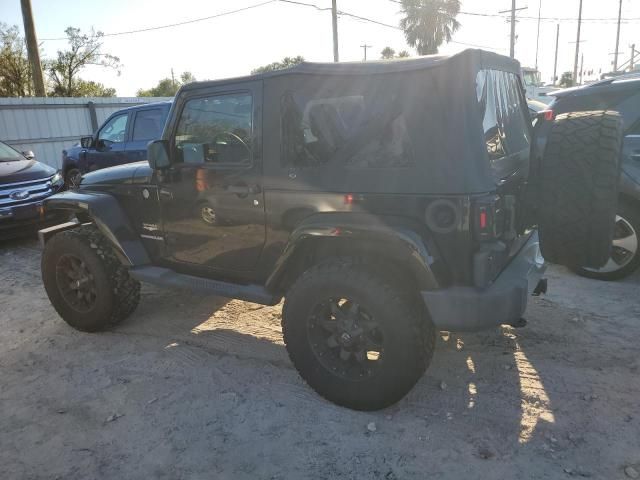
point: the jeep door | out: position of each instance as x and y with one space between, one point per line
147 126
211 196
108 148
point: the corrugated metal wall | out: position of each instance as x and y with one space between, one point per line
48 125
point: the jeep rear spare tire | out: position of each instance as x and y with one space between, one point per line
579 175
356 338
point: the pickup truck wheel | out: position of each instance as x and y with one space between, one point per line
354 337
625 249
87 285
72 178
579 176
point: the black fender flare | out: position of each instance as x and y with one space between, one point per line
107 214
400 238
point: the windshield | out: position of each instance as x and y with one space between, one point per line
8 154
531 78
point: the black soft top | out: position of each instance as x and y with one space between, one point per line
476 59
442 121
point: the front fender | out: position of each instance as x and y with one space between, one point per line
390 237
107 214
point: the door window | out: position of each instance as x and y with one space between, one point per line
148 125
115 130
215 130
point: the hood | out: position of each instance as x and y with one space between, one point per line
122 174
23 171
73 152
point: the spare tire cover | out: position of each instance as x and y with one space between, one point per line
578 186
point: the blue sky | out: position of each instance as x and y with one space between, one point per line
234 44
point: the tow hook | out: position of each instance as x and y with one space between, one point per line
540 288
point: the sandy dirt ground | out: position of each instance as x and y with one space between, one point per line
197 387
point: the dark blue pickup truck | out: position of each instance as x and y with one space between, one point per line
122 138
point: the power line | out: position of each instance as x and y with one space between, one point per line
186 22
548 19
257 5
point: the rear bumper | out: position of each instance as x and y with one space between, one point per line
460 309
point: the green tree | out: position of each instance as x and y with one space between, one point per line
84 50
167 87
387 53
566 80
429 23
286 62
403 54
86 88
15 73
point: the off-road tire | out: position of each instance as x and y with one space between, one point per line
579 176
408 332
117 293
631 213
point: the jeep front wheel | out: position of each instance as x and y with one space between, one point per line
85 282
354 337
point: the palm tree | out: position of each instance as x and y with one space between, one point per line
428 23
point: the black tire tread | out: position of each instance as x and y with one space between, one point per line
423 335
124 289
579 188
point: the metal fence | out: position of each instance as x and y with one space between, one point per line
48 125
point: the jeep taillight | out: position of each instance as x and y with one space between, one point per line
548 115
486 215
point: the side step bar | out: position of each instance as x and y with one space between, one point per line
165 277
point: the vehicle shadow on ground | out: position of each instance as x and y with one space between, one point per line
486 378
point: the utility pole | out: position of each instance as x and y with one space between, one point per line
633 54
32 48
575 60
538 35
173 78
512 43
334 20
581 66
615 54
555 61
365 46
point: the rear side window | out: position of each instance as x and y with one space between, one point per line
504 119
353 128
148 124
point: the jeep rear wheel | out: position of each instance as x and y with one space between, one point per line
85 282
579 177
354 337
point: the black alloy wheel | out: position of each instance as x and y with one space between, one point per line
76 283
345 338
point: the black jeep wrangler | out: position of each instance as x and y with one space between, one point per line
384 201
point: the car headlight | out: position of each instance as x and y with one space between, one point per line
57 179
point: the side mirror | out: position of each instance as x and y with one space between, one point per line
86 142
28 154
158 154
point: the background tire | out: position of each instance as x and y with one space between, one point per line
407 336
116 294
625 259
72 178
579 176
